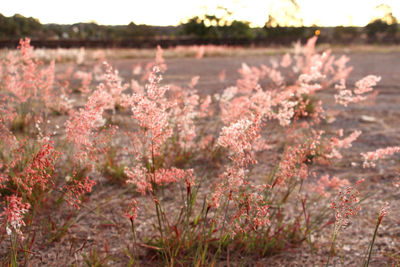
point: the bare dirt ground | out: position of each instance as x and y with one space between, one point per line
379 122
100 228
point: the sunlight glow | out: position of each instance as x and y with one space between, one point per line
343 12
172 12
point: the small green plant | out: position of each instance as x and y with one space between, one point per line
382 213
97 259
113 170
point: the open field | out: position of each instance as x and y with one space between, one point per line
91 54
100 233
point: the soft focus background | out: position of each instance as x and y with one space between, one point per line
169 23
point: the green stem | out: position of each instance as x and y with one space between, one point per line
13 239
335 233
202 236
29 236
223 226
135 254
366 264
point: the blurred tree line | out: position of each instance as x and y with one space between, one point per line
19 26
281 28
215 28
211 26
384 26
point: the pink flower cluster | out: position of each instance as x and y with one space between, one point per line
336 143
24 78
383 211
81 126
151 111
345 206
113 86
313 71
146 181
86 78
371 157
239 138
324 182
252 214
346 96
295 159
76 188
38 172
13 214
131 212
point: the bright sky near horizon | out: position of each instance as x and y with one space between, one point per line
171 12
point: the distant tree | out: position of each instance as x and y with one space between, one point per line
19 26
134 30
53 31
7 27
196 26
239 29
284 13
346 34
213 26
383 24
384 13
25 25
285 23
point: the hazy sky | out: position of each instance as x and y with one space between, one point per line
170 12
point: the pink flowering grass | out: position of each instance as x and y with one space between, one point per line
194 163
